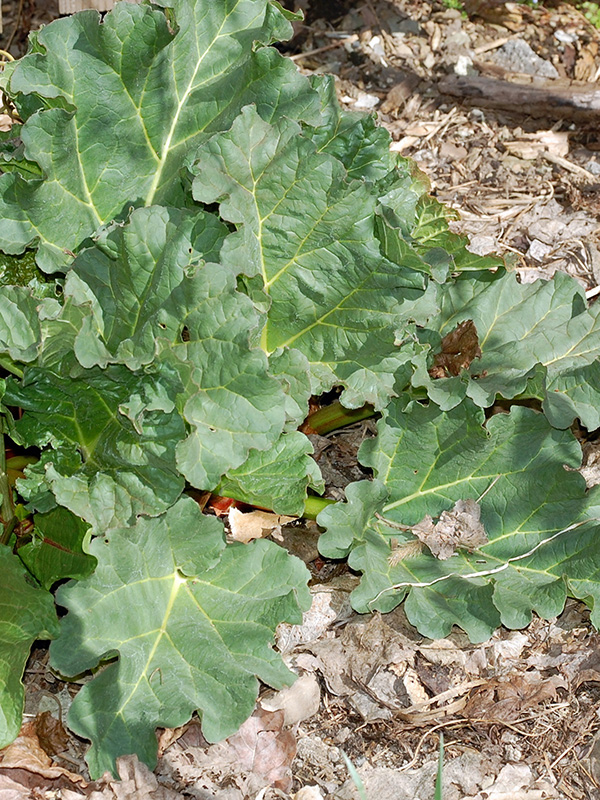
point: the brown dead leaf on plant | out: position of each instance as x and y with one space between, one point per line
460 527
459 348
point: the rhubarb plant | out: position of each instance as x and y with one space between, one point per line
209 241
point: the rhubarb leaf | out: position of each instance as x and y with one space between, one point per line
26 614
276 478
333 296
229 401
19 323
152 297
145 369
129 99
128 277
126 461
411 220
292 369
541 334
424 460
56 550
355 139
191 623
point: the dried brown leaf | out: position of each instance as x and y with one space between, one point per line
585 66
25 764
298 702
255 524
265 748
460 527
498 12
137 782
504 699
400 93
51 734
459 348
12 790
589 670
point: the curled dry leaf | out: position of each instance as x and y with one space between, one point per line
460 527
263 747
298 702
459 348
255 524
26 761
506 699
51 734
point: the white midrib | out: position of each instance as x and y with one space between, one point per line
167 145
178 582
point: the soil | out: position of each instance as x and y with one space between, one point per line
521 712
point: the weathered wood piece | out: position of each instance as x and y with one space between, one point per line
71 6
531 96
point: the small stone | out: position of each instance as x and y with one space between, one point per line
593 166
565 37
463 66
481 244
517 56
538 250
366 101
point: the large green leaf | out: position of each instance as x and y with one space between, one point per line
146 370
424 460
292 369
129 98
19 323
129 276
308 234
355 139
26 614
191 624
125 440
276 478
56 550
537 338
409 219
152 298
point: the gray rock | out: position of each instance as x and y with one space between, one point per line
517 56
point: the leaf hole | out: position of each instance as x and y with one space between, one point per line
185 334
